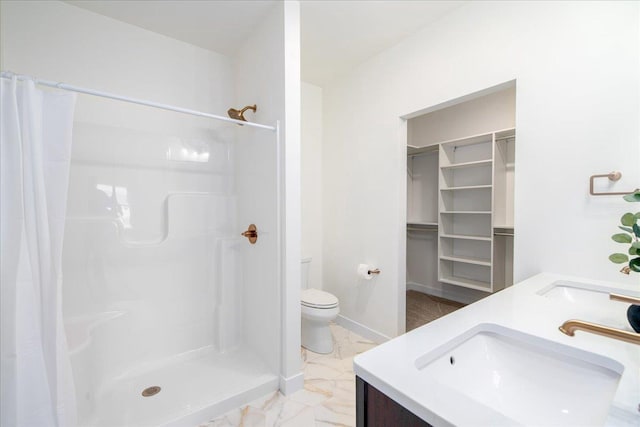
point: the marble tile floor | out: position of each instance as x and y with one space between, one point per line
423 308
327 399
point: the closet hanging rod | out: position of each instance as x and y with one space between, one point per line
72 88
467 142
424 153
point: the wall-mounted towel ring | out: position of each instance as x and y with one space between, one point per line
613 176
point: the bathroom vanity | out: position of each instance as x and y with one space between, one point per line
504 361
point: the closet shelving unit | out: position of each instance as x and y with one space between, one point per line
473 201
466 211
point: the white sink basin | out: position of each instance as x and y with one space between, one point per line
576 293
527 379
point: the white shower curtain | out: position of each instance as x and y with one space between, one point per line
35 150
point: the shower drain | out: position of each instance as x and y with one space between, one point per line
151 391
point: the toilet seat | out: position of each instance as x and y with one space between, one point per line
315 298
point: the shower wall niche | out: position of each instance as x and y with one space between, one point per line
460 198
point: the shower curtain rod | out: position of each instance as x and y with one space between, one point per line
64 86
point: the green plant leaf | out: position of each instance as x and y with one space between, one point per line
637 215
628 219
636 230
636 244
634 251
633 197
634 264
627 229
621 238
618 258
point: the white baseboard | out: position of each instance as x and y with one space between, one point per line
464 296
361 330
291 384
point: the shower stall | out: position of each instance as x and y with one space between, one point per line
171 315
164 314
169 310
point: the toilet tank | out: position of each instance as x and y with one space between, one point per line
304 270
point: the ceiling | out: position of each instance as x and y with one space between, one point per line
336 35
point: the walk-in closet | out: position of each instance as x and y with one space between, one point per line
460 189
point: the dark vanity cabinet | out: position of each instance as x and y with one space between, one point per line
376 409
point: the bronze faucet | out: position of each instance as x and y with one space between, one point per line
570 326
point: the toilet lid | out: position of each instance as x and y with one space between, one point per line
318 298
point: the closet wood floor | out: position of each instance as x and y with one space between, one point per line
423 308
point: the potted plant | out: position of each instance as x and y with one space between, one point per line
631 236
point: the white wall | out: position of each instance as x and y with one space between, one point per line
267 68
56 41
292 378
166 295
311 181
258 67
484 114
143 285
577 112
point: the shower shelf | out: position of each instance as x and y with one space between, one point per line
165 233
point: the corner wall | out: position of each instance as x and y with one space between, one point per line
268 74
311 181
577 114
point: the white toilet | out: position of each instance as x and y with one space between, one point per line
318 309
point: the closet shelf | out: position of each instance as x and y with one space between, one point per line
467 283
503 226
466 187
467 212
422 227
479 138
423 223
467 260
467 164
418 151
466 237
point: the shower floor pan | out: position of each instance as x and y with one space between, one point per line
192 391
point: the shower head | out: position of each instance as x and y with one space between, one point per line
239 114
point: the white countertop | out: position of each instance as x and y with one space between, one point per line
391 367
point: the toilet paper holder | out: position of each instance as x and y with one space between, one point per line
367 271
